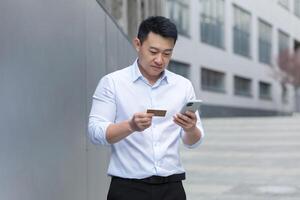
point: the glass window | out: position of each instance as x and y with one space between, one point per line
212 22
284 3
242 86
265 90
241 32
178 11
297 7
264 42
283 41
212 80
179 68
284 93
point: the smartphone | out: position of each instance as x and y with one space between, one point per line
191 105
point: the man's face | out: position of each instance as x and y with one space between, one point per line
154 55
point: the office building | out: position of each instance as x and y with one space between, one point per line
229 50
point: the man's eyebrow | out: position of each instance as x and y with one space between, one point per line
157 49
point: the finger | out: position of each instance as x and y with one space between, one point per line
180 121
148 123
142 115
176 122
182 125
184 118
190 114
144 120
149 115
146 126
145 115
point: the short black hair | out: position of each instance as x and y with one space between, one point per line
158 25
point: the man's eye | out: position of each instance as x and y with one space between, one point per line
167 54
153 52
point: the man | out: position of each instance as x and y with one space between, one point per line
145 161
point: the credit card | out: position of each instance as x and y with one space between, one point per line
158 113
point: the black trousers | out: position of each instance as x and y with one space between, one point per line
133 189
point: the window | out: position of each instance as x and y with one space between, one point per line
265 91
284 93
241 32
283 40
178 11
297 7
212 22
242 86
264 42
179 68
212 80
296 46
284 3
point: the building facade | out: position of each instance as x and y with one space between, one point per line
129 13
229 50
232 53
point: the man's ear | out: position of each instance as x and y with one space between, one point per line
137 44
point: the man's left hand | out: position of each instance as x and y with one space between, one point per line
187 121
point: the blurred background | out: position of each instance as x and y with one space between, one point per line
228 49
242 57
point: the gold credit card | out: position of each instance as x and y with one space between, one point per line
158 113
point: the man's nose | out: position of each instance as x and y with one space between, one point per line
159 59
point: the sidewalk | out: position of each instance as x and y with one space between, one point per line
245 159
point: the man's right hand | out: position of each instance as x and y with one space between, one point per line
118 131
140 121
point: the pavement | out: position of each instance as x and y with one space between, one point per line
255 158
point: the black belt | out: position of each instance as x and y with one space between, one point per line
156 179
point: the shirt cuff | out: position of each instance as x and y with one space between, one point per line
197 143
97 132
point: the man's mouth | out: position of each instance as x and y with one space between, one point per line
157 67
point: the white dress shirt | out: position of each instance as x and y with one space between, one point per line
154 151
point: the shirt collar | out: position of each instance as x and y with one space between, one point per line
136 74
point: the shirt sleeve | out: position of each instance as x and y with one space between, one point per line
103 111
191 96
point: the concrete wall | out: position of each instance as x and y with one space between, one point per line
52 55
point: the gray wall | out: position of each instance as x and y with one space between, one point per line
297 99
52 55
